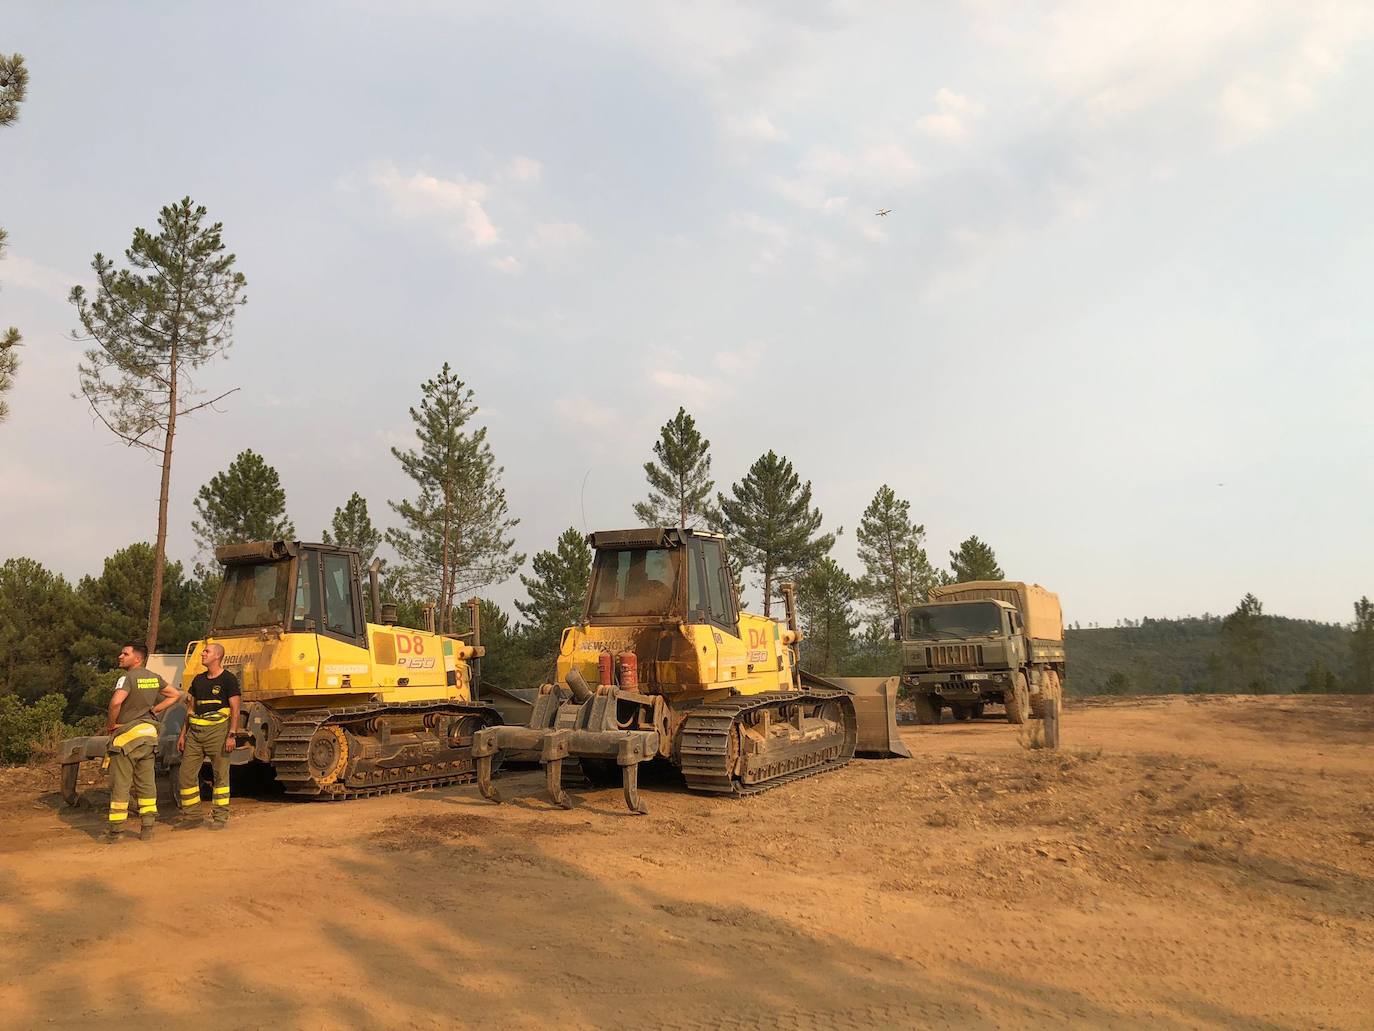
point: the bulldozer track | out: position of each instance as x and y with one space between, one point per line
291 747
705 749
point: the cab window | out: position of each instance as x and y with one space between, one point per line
719 599
306 612
339 614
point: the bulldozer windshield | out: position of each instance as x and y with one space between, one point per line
936 622
634 582
252 596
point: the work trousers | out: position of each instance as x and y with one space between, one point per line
131 767
205 743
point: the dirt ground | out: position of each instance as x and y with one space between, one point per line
1179 863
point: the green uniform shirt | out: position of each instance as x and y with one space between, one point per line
144 687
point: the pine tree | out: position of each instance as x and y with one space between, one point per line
36 629
772 526
352 528
14 84
154 324
897 571
557 592
244 503
680 483
1244 634
1362 647
455 534
974 561
825 606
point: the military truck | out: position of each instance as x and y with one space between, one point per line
999 641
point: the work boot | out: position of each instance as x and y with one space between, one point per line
112 837
219 825
146 833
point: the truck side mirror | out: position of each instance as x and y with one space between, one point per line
896 628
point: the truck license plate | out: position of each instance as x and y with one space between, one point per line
976 676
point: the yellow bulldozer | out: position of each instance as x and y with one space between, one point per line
664 665
339 707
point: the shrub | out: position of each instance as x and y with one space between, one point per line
26 729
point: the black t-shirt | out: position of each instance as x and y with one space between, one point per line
210 695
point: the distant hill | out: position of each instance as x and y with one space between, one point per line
1163 656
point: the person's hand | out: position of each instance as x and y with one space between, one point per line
181 742
230 744
110 728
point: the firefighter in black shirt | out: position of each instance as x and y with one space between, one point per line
212 719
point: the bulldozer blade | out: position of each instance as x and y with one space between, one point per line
875 706
553 773
630 780
484 784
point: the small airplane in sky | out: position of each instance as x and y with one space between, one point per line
883 212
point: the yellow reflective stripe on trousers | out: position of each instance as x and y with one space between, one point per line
222 790
119 805
135 732
215 721
118 817
188 792
221 801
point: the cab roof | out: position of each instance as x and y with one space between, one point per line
646 537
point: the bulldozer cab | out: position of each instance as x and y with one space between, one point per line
305 588
660 574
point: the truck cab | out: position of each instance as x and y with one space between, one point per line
975 643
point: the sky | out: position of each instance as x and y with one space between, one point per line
1117 323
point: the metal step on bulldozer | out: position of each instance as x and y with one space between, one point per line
664 665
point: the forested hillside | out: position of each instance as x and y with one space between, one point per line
1198 654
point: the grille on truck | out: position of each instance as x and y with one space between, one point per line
954 655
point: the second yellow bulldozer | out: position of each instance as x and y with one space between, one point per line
664 665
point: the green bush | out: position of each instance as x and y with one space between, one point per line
24 729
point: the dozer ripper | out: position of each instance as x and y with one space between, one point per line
337 706
664 665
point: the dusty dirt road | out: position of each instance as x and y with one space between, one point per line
1178 864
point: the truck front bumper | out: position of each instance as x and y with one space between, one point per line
959 687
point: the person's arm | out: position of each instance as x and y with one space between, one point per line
185 722
230 742
167 698
116 700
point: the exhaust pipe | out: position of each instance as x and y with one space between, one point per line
374 581
475 619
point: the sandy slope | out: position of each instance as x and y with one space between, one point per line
1179 863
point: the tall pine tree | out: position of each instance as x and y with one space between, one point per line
153 325
1362 647
246 502
557 592
680 483
772 526
1245 634
14 83
897 571
825 606
455 535
974 561
352 527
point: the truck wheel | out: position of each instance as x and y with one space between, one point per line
927 709
1016 700
977 710
962 711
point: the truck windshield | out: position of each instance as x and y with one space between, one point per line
634 582
252 596
946 621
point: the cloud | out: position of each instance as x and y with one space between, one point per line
523 169
952 115
756 127
722 380
582 411
508 264
26 274
741 362
553 236
456 202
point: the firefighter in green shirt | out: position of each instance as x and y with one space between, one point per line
140 698
212 720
